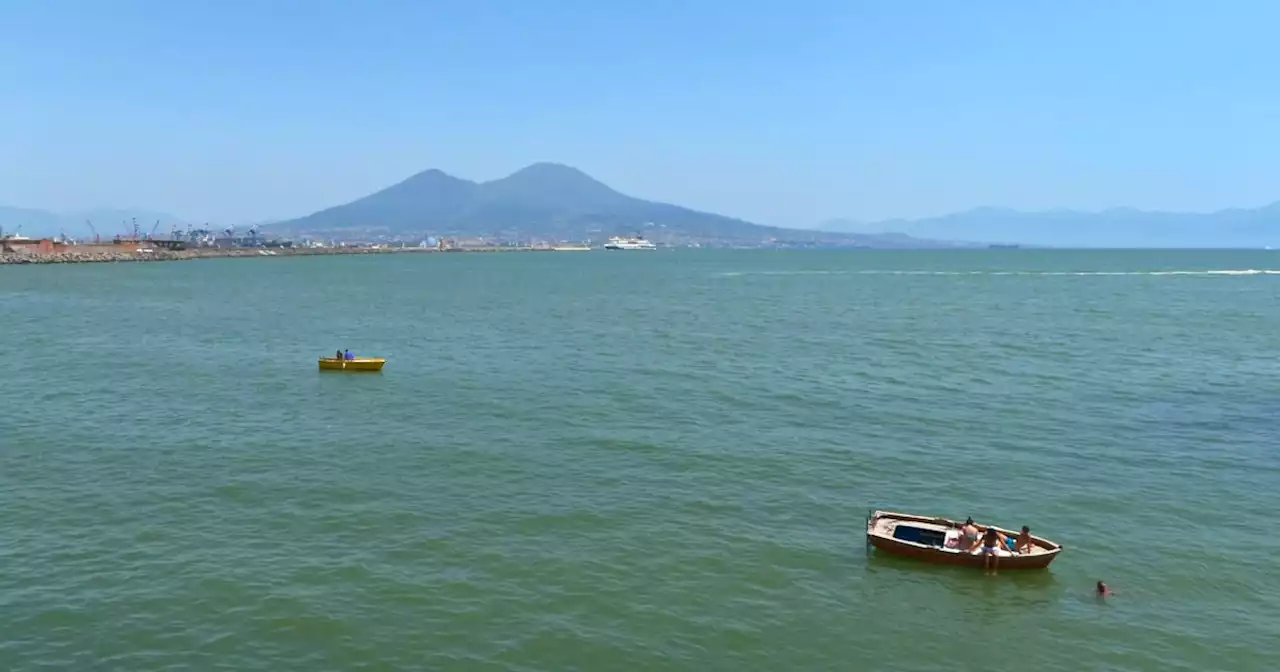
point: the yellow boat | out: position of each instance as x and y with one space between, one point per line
357 364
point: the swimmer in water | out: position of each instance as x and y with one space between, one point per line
1103 590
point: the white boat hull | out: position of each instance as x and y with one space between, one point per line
621 244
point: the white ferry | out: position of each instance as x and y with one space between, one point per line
632 243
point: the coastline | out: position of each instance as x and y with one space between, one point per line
99 254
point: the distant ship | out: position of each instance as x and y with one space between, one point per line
633 243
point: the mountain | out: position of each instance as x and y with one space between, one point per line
543 200
1117 227
106 221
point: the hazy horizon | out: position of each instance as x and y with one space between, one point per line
149 215
785 115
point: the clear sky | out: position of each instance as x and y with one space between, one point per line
779 112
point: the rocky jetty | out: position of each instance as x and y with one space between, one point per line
103 254
86 257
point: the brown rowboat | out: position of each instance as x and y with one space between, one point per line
924 538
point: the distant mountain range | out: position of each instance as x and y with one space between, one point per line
554 201
1118 227
546 200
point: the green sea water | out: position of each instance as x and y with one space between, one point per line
638 461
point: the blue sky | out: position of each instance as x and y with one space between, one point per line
779 112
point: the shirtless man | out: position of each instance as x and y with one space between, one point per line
1024 543
969 536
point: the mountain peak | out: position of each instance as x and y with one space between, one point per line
549 168
432 176
555 183
547 173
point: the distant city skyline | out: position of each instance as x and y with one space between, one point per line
786 115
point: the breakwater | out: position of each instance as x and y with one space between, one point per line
107 254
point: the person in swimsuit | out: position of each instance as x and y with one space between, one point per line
969 536
992 543
1103 590
1024 543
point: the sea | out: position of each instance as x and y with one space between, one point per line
638 461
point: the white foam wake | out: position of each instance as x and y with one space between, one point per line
1239 272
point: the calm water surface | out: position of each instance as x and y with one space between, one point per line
626 461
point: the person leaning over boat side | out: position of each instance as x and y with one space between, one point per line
992 542
1024 543
347 355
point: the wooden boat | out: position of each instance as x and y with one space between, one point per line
357 364
924 538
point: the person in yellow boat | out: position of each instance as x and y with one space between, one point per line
337 355
347 355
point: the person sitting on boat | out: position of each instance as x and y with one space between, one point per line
1024 544
993 542
969 535
952 538
338 355
346 354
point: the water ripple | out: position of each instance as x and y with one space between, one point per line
603 462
